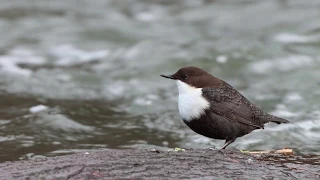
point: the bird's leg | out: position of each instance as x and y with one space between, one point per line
227 143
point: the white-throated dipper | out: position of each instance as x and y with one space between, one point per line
213 108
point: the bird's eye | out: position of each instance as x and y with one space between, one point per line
185 77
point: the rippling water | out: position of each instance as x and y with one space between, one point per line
84 75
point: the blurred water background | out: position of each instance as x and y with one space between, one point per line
83 75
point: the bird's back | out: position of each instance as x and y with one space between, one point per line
231 104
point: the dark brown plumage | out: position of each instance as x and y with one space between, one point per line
229 114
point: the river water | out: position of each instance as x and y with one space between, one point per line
84 75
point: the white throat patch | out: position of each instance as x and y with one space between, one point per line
191 103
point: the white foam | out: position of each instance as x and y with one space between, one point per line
291 38
61 122
116 88
295 38
293 96
146 16
133 52
282 111
3 122
145 101
304 126
38 108
10 62
68 55
142 101
282 64
222 59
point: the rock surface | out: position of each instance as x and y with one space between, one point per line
154 164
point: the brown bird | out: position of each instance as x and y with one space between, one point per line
213 108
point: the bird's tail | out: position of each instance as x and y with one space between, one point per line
278 120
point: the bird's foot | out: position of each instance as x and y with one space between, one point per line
227 143
213 148
219 150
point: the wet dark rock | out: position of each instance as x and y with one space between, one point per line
145 164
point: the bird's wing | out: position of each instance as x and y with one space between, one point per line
229 103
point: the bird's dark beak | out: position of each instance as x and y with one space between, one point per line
169 76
